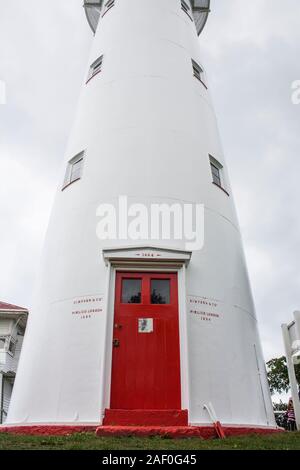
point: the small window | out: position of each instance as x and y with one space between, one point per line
12 346
131 291
95 68
217 172
160 291
74 169
107 6
186 8
198 72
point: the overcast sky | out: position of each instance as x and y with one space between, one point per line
251 51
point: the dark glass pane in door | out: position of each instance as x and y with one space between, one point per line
160 291
131 291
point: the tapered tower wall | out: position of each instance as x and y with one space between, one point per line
148 129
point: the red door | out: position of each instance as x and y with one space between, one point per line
146 359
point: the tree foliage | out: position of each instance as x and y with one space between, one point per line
278 375
280 406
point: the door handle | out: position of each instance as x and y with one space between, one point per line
116 343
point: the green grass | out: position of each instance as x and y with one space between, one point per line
88 441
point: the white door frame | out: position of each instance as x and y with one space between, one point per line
146 259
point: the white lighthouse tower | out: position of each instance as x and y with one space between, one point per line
134 329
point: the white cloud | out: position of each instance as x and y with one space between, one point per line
249 49
43 59
26 198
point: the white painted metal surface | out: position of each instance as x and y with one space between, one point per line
147 126
291 339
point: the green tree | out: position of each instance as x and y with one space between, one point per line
278 375
280 406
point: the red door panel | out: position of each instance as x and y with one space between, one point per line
146 365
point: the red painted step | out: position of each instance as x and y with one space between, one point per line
145 418
145 431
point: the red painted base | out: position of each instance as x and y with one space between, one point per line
201 432
160 418
179 432
47 430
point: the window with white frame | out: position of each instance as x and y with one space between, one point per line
107 6
74 169
198 71
217 172
95 68
186 8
